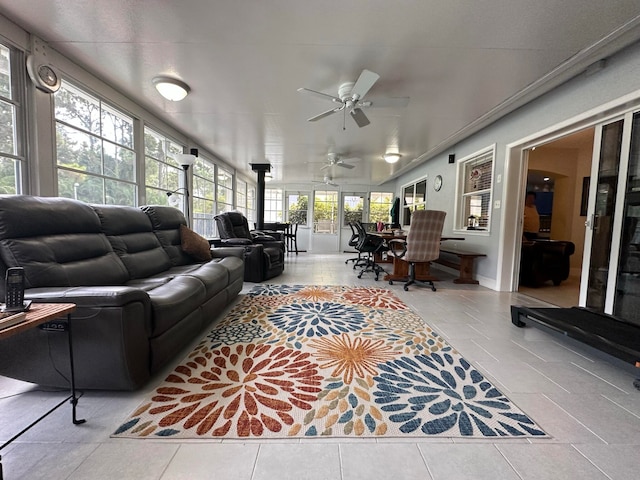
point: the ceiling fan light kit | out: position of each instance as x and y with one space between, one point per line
172 89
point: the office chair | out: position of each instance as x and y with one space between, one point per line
422 244
353 242
369 244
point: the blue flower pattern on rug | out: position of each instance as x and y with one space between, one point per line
317 318
452 391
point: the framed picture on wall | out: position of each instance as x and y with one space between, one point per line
585 196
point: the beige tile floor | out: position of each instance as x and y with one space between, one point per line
583 399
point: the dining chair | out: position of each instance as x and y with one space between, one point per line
422 244
291 236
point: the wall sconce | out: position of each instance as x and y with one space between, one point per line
391 157
171 88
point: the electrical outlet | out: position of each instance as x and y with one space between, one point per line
496 204
499 178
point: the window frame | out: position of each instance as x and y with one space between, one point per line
482 156
105 144
287 198
17 103
414 205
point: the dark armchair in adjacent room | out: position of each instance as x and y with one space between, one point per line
264 255
544 260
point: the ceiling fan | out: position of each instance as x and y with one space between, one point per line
326 181
337 160
350 98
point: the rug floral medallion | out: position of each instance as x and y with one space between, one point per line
306 361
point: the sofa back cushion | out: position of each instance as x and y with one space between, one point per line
131 236
58 241
166 222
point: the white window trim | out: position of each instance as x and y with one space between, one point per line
458 222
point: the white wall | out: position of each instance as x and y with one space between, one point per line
581 99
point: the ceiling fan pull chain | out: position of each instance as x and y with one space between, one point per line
344 119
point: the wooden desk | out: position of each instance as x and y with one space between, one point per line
40 314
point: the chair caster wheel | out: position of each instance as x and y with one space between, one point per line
360 275
406 289
390 282
636 383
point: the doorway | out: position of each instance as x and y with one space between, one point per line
556 172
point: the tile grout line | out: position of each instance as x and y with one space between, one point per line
620 406
590 461
576 419
515 470
529 351
599 378
548 378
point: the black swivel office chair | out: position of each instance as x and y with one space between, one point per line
353 242
370 245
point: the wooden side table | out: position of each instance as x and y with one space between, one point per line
39 314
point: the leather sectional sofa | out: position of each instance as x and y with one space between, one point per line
544 260
140 297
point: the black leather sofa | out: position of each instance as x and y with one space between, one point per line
544 260
263 254
140 297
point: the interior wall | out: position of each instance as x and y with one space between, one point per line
580 102
568 166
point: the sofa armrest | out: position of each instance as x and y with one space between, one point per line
110 296
223 252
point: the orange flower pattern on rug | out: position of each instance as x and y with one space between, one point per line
307 361
349 357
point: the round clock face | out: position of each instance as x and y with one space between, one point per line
47 75
437 183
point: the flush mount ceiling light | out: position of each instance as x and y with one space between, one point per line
391 157
171 89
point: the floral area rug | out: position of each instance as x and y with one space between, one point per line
306 361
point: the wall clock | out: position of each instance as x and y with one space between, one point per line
437 183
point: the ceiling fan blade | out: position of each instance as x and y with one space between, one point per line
388 102
360 118
325 166
363 84
325 114
345 165
320 94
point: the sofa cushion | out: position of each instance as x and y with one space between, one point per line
173 301
195 245
131 236
166 222
61 245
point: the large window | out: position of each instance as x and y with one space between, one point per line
162 172
251 204
11 129
415 198
380 204
297 207
94 149
241 196
224 181
273 205
204 197
325 211
352 208
475 179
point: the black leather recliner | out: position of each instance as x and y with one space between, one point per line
264 255
544 260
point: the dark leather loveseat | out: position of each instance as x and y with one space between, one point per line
544 260
264 255
140 297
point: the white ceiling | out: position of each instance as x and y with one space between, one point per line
462 63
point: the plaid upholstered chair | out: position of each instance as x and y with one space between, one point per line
422 244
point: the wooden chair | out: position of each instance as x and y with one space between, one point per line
422 244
